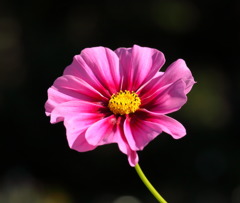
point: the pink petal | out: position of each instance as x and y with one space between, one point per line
123 145
177 70
99 67
102 132
172 127
76 127
167 99
167 124
70 88
139 131
110 130
132 157
77 117
76 109
55 98
138 65
79 143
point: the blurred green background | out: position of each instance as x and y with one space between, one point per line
38 39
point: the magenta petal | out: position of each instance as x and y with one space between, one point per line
102 132
139 65
140 132
178 70
166 123
79 143
166 100
76 109
172 127
122 142
70 88
78 85
76 128
109 130
133 158
77 116
56 97
128 134
99 67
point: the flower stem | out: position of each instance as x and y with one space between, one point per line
149 185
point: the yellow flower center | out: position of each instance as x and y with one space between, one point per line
124 102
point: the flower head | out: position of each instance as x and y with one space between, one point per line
120 97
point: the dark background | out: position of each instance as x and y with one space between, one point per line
38 39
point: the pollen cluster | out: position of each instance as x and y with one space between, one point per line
124 102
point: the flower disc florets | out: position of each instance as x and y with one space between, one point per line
124 102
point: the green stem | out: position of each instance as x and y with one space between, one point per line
149 185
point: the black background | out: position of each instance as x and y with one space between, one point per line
38 39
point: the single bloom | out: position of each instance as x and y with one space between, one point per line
120 97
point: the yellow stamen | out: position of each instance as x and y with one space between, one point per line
124 102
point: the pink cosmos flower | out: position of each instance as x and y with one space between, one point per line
120 97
